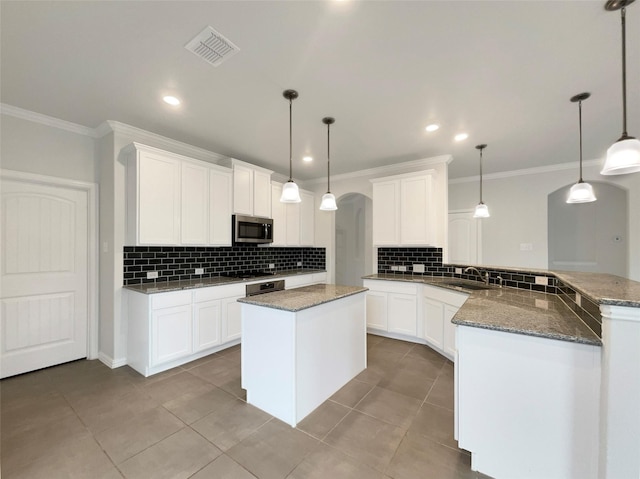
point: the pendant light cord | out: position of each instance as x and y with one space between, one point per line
481 175
580 128
290 140
328 158
624 74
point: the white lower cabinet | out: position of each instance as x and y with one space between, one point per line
377 310
439 306
401 312
414 312
173 328
171 334
207 318
392 307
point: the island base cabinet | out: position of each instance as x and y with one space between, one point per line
527 407
294 361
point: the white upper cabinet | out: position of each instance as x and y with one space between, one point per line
403 210
195 204
251 190
293 223
175 200
220 198
307 218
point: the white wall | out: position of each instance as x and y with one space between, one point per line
45 150
518 206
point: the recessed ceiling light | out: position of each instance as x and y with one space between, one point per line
171 100
461 136
432 127
307 159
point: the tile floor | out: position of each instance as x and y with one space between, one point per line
84 420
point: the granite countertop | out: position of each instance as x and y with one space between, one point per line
603 288
511 310
167 286
297 299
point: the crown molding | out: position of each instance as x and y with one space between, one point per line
159 141
524 172
387 170
28 115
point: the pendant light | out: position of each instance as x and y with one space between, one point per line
481 210
328 199
624 155
581 192
290 193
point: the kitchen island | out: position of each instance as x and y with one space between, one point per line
299 346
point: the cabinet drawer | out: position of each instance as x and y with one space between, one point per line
444 295
168 300
218 292
391 286
319 278
296 281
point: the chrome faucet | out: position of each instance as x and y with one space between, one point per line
484 277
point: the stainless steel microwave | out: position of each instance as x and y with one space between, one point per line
251 229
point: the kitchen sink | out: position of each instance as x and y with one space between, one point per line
467 285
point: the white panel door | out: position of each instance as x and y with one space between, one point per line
171 334
43 283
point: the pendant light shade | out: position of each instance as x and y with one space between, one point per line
624 155
290 193
482 211
328 199
581 192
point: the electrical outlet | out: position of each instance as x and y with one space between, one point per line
394 268
458 270
299 263
199 271
402 268
526 246
542 280
152 274
272 265
418 268
578 299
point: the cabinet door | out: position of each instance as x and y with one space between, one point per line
262 194
433 312
415 199
377 310
386 204
279 216
307 219
231 319
206 320
158 199
242 190
194 225
292 211
401 312
220 197
171 333
449 331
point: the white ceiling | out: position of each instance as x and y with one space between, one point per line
502 71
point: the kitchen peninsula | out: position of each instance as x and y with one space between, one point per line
299 346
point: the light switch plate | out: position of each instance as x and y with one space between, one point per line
394 268
458 270
199 271
152 274
299 263
542 280
418 268
272 265
402 268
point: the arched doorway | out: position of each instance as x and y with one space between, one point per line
589 237
353 239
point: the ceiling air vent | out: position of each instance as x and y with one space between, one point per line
212 47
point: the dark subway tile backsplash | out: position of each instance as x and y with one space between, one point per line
179 262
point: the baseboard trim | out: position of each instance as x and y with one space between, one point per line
110 362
